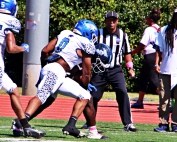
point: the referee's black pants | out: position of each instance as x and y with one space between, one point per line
115 77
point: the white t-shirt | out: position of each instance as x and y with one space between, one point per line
69 42
169 58
149 35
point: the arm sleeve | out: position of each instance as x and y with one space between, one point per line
145 38
88 47
126 44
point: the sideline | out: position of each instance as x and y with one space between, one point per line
30 140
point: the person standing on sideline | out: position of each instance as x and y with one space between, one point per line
148 74
167 43
8 26
118 42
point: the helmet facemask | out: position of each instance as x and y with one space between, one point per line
94 38
102 58
99 66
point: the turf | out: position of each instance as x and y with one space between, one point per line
115 131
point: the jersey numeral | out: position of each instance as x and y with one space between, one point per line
62 45
3 4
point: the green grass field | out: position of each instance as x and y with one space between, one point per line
115 131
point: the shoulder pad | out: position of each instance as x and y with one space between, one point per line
14 25
89 48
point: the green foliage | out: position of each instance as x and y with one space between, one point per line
65 13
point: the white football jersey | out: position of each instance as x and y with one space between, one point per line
67 44
8 23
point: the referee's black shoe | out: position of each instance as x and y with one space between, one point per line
130 128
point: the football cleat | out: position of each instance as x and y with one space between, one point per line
73 131
16 123
85 126
17 132
17 128
31 132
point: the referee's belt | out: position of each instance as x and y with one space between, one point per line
116 66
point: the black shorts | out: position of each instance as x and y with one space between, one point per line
148 73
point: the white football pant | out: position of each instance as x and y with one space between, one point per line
54 82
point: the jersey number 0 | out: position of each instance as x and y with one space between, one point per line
62 45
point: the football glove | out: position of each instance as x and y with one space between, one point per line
52 58
91 87
25 46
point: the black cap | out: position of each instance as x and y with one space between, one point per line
111 14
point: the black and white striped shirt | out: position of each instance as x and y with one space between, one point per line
118 42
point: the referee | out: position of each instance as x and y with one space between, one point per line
118 41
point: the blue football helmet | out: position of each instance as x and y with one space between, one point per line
87 29
9 6
102 58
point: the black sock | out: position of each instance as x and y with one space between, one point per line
24 123
72 121
27 116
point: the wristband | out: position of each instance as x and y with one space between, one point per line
129 65
156 65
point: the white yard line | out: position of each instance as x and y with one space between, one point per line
30 140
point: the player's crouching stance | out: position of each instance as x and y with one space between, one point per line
71 88
8 26
68 50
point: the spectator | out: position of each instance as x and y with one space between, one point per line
167 42
148 74
118 41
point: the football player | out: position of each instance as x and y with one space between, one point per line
8 26
68 49
101 59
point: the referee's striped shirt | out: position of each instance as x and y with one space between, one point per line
118 42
